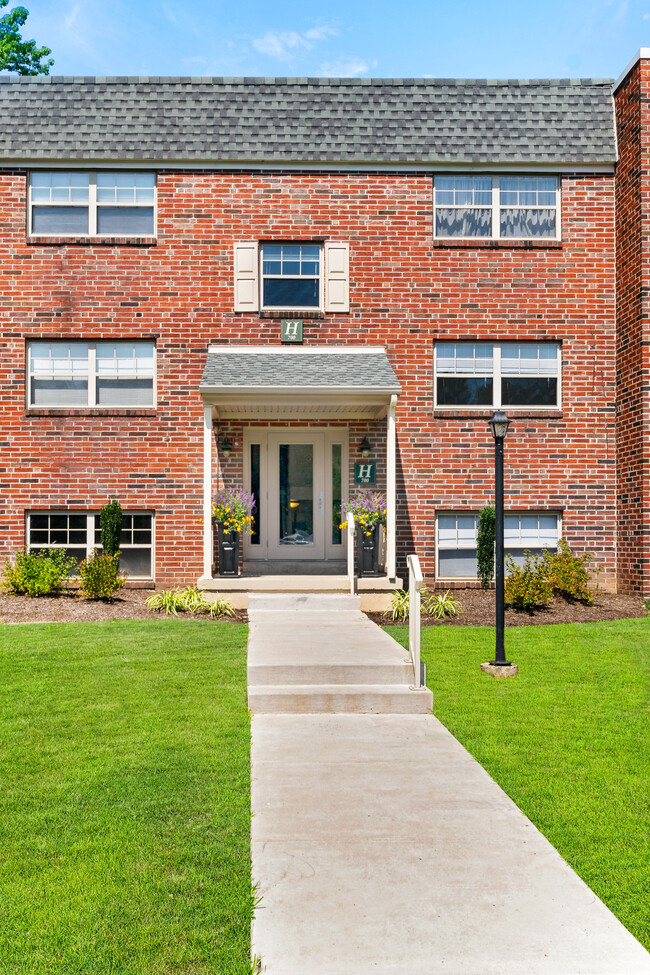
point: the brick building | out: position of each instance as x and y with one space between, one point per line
447 248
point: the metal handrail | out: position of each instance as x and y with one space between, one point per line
416 580
351 534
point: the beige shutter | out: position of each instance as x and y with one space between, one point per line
246 277
337 276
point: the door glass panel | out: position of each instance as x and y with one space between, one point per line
296 494
255 491
336 494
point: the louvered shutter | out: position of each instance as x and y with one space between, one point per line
337 276
246 277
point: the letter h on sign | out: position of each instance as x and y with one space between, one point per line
291 330
364 473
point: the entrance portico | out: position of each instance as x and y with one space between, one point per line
297 410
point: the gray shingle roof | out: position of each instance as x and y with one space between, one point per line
431 121
369 370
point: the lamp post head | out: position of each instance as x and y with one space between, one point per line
499 424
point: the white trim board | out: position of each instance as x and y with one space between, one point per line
642 53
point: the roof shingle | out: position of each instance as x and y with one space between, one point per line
314 120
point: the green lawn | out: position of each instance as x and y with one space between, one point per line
567 739
124 799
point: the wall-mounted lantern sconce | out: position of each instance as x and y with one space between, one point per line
365 448
225 447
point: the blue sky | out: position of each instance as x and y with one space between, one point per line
362 38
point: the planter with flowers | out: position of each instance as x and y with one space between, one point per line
232 512
369 511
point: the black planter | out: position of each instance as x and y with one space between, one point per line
228 552
368 551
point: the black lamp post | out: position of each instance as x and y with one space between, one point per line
499 424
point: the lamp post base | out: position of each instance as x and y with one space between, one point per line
500 670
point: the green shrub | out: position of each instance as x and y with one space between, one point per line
485 546
41 573
440 605
433 604
568 574
526 586
188 600
100 576
110 520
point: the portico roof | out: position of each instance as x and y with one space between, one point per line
329 382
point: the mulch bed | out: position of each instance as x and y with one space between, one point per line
478 610
70 608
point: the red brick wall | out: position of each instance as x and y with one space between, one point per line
406 292
633 365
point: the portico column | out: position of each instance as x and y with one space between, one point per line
207 492
391 491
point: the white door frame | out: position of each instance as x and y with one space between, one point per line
269 439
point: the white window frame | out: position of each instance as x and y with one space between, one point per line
91 376
496 209
92 205
459 513
92 522
293 309
496 377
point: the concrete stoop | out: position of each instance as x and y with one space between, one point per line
318 654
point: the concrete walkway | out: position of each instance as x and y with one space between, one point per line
380 846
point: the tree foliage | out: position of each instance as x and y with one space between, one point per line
17 55
485 546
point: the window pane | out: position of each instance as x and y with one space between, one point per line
125 220
464 391
463 223
336 493
463 190
520 391
124 392
464 358
125 360
529 359
457 564
527 190
136 561
255 491
59 220
528 223
59 392
296 293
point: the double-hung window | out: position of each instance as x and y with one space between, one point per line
483 374
497 207
456 540
76 374
92 204
292 277
79 532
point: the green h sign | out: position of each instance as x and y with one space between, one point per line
291 330
364 473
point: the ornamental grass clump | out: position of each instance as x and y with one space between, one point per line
233 509
188 600
368 509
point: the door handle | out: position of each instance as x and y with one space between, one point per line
319 503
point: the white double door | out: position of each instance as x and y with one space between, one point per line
298 477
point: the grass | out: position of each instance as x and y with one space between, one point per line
567 739
124 808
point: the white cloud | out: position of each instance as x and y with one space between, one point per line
346 67
284 45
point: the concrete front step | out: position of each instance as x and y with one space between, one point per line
269 675
339 699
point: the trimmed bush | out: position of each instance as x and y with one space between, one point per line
110 520
485 546
568 574
100 576
526 586
41 573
